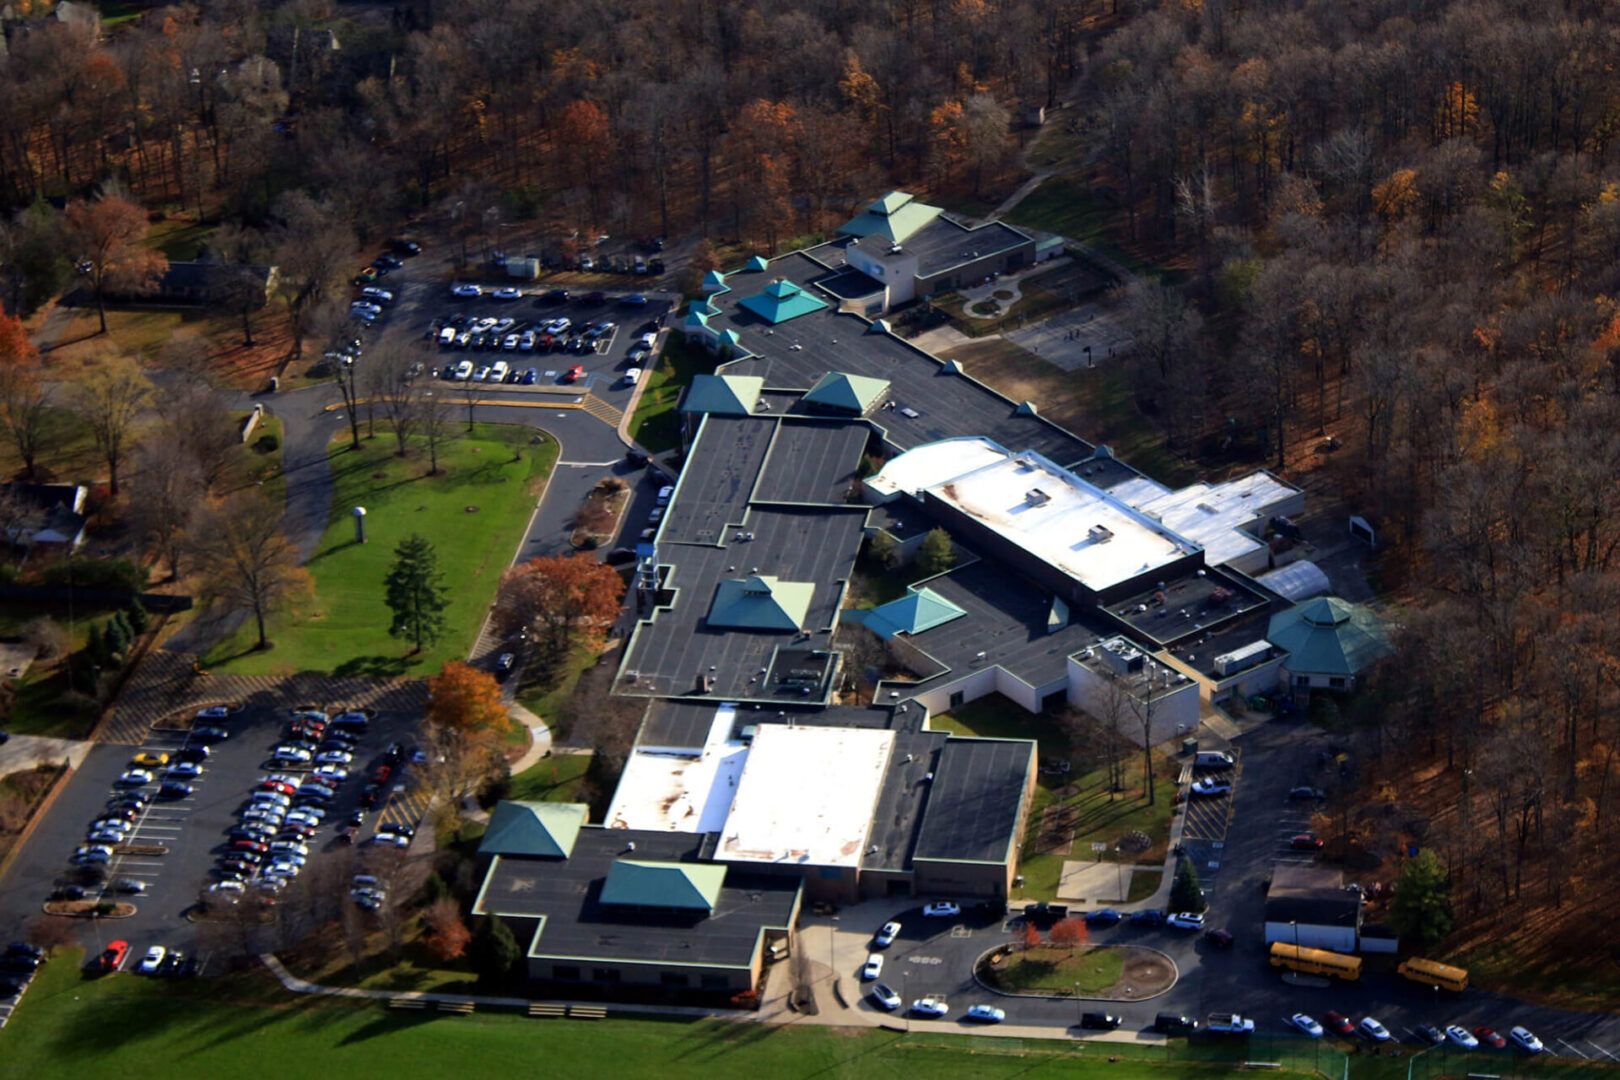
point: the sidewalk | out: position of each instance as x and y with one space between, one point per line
539 736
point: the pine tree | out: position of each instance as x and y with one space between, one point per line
1421 910
113 639
494 951
125 630
416 592
139 617
1185 894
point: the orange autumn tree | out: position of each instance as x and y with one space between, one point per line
25 412
109 234
465 732
1069 932
565 601
464 698
1030 935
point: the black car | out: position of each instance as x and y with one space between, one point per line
395 753
407 248
555 296
198 754
1174 1024
174 789
19 963
386 261
1148 917
1104 917
1220 939
1431 1034
10 988
67 892
1307 793
5 737
23 948
210 733
656 266
504 665
1099 1021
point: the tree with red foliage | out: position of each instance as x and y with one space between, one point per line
566 600
111 236
466 699
25 413
1030 935
1070 932
447 935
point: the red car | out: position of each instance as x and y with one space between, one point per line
278 787
1306 842
381 774
574 374
1338 1022
250 845
113 956
1489 1037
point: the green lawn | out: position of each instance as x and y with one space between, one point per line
545 690
179 237
557 778
1066 206
72 1028
345 629
1061 970
1092 814
656 425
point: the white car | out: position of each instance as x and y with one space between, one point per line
1306 1024
213 712
227 891
289 847
149 963
291 753
632 376
508 293
1526 1040
334 773
885 937
481 374
1374 1030
873 966
559 325
1209 785
987 1014
334 757
466 290
447 336
376 295
107 836
1461 1036
464 371
929 1007
941 909
510 343
526 341
500 369
647 341
135 777
1185 920
263 812
183 770
885 998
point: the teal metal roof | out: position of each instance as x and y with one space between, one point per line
1329 636
696 319
895 216
727 395
782 300
713 281
919 610
539 829
852 393
688 886
761 602
731 337
758 263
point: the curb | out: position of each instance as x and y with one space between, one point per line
33 822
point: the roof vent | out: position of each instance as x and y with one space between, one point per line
1100 534
894 249
1035 497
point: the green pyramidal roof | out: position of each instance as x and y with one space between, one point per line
1329 636
539 829
895 216
919 610
761 602
728 395
782 300
689 886
852 393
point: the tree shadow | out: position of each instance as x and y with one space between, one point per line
383 667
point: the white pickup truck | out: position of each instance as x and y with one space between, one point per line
1229 1024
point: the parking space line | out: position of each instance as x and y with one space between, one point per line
1574 1049
1600 1050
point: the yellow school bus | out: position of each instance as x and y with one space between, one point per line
1315 961
1430 973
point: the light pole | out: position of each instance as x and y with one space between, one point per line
1078 1008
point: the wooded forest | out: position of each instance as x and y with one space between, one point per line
1395 224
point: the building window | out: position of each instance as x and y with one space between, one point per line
958 698
830 873
565 971
1302 680
673 978
1336 683
605 975
714 982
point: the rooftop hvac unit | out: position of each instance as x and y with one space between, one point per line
1036 497
1238 659
1100 534
1125 660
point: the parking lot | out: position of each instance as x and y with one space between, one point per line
174 847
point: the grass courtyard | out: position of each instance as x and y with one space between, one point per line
557 778
656 425
473 512
143 1029
1074 809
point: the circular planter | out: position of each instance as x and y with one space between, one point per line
1155 974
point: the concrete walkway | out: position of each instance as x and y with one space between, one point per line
539 737
24 752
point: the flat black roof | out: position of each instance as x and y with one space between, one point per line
812 462
1007 621
676 725
902 800
977 792
901 518
567 892
794 354
718 476
1314 907
1199 652
1188 605
943 243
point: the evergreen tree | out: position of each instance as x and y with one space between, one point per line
1421 910
936 555
494 951
416 592
139 617
1185 894
124 629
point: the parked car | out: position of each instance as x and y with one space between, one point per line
149 963
930 1007
873 966
1229 1024
135 777
986 1014
466 290
149 760
885 998
174 789
942 909
1340 1023
1307 793
1460 1036
1148 917
1174 1024
1103 917
1210 785
1373 1030
886 935
1186 920
573 374
1489 1037
1306 1024
1306 842
1526 1040
1099 1021
183 770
